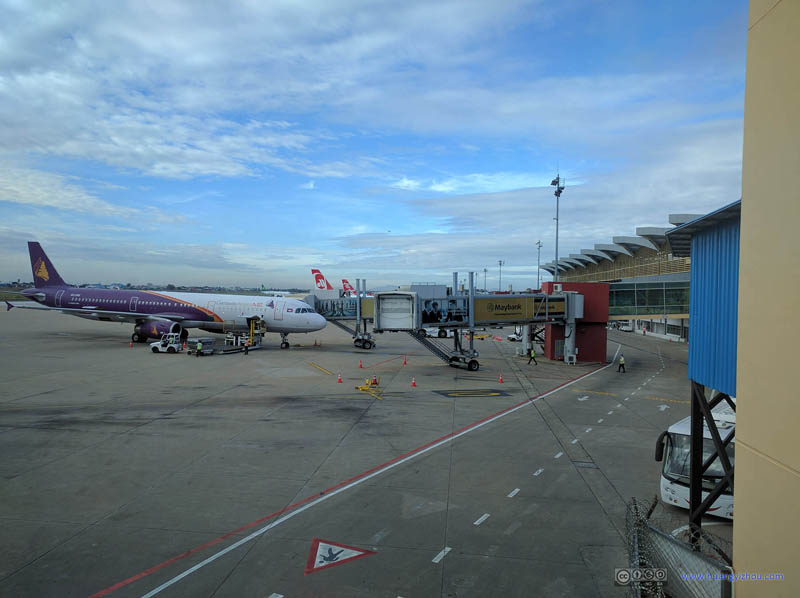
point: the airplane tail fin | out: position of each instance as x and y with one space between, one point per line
44 272
320 281
347 286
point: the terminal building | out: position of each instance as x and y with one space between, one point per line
648 282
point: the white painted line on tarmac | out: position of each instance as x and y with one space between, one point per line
584 398
360 480
575 441
610 413
558 455
600 421
441 555
513 493
663 407
273 595
640 388
626 398
481 519
588 430
538 472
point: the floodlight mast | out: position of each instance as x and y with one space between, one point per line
559 184
500 282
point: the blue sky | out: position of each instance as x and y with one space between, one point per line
245 143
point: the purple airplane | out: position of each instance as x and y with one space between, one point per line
154 313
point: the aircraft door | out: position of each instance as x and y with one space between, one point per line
59 294
134 305
279 309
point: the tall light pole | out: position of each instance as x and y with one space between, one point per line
500 282
558 183
538 255
485 270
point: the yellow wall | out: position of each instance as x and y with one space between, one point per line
766 535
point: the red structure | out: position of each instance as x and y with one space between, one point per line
591 330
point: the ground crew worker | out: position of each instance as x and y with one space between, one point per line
246 346
621 364
198 348
533 356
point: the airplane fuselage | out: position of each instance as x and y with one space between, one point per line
210 312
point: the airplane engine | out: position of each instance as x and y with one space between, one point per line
154 330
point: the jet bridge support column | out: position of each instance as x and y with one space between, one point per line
361 339
527 344
471 308
574 309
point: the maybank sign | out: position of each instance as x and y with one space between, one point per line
493 309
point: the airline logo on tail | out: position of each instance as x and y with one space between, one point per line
40 270
348 288
320 281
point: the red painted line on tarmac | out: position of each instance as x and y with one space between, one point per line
210 543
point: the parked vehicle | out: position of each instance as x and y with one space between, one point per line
169 343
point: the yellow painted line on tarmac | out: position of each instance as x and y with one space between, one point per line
664 400
595 392
321 369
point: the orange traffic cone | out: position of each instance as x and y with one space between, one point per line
360 365
374 380
413 382
500 379
339 379
130 344
404 360
184 345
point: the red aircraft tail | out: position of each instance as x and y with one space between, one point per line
320 281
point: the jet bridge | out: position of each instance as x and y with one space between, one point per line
342 310
404 311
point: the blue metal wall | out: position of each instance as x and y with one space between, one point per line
714 303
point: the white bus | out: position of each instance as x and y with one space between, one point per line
672 448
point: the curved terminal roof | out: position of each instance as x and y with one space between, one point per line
655 234
549 267
598 254
566 264
583 259
613 248
678 219
634 243
654 238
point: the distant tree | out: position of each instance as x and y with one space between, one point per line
170 287
127 285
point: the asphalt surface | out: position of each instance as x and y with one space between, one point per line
127 473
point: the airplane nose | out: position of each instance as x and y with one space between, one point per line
320 322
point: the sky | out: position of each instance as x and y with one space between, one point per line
244 143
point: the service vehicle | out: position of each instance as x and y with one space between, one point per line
169 343
672 448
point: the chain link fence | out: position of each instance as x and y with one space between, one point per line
688 564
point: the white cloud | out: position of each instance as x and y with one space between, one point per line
308 186
406 184
489 182
42 189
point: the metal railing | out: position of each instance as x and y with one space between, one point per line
664 565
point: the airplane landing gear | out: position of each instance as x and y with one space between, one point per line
284 342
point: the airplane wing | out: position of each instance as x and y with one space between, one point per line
90 311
